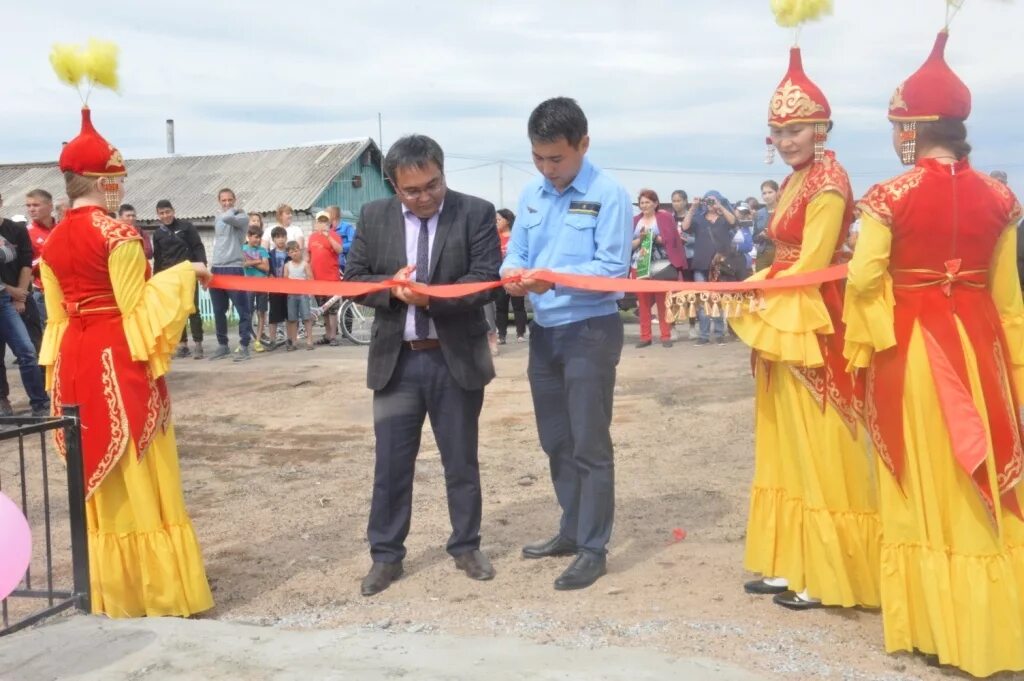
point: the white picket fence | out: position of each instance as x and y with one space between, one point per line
206 307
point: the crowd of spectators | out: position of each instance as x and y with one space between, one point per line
708 238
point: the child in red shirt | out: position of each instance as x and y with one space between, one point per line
324 246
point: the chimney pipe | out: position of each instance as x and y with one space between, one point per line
170 137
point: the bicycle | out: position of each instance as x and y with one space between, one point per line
355 321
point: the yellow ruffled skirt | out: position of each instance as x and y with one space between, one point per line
952 582
144 558
813 508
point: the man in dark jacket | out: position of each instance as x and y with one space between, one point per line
16 275
428 356
176 241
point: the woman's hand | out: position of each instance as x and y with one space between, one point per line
203 275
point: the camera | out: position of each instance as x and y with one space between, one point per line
709 202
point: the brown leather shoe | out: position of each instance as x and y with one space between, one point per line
476 565
380 577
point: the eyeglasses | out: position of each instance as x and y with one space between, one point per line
432 188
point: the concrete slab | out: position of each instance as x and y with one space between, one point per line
85 648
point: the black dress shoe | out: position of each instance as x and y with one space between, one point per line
556 546
583 572
380 577
759 587
476 565
643 344
789 599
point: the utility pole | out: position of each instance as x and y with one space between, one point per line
380 142
501 184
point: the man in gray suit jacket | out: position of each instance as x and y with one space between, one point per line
428 356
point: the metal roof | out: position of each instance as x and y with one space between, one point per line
261 180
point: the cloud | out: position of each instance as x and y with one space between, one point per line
668 86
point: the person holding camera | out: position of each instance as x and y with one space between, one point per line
667 262
710 221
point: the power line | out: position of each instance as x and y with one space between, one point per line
728 172
482 165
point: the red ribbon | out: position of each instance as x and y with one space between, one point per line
350 289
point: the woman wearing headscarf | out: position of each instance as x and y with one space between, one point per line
940 331
662 226
709 221
813 531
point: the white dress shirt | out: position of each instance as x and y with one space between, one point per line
412 238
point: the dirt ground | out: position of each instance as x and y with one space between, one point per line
277 459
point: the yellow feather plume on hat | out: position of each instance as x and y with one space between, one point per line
101 63
67 63
96 64
792 13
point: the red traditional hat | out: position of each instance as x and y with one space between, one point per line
932 92
91 155
797 99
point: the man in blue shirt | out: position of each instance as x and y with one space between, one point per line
345 230
573 220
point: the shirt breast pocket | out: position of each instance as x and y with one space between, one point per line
577 243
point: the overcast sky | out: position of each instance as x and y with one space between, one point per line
667 86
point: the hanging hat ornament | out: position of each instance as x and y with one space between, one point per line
89 154
797 99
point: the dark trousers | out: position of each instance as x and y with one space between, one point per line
518 308
423 386
240 299
572 378
195 322
34 326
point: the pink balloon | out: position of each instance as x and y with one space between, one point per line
15 545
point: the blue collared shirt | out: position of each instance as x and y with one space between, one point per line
585 229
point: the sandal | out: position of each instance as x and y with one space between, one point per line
324 341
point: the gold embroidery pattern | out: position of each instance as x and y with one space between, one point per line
847 411
115 233
56 400
116 160
876 204
871 421
153 409
897 101
813 379
118 421
828 175
790 101
882 198
1013 208
1010 477
786 253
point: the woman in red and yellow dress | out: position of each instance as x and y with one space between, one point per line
934 313
111 331
813 527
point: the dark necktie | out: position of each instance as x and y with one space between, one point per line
422 272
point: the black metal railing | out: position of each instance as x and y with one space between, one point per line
17 611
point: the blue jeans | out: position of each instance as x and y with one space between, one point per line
40 305
14 334
243 307
703 319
